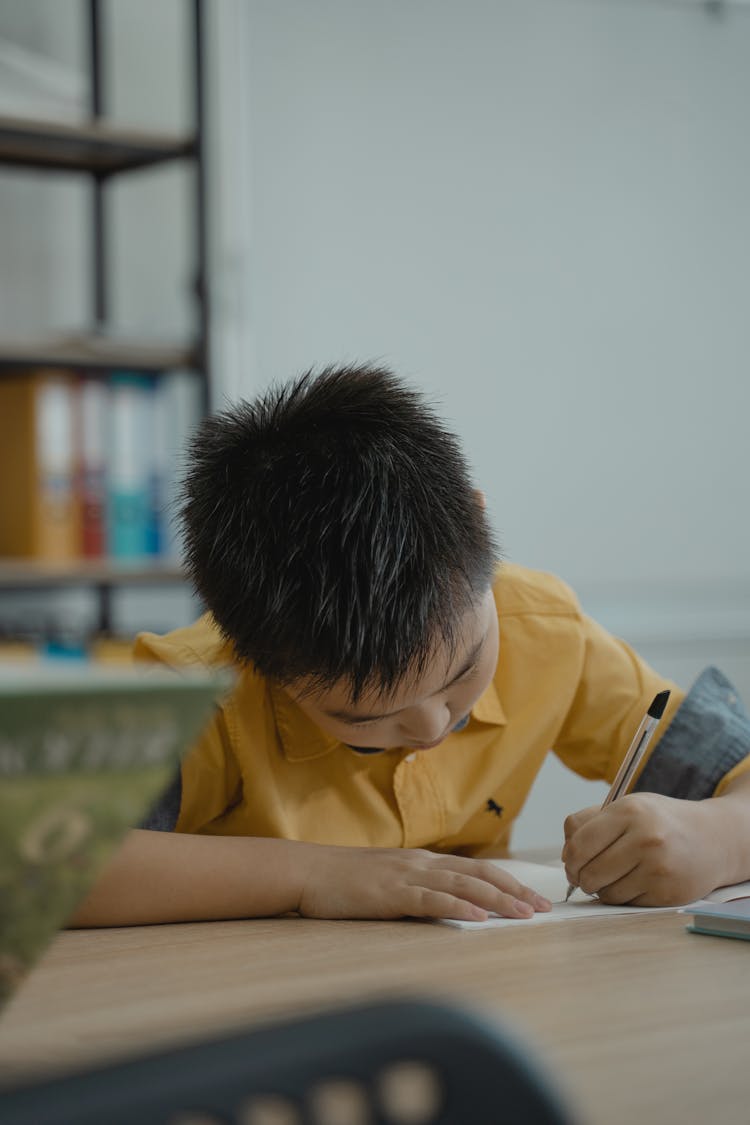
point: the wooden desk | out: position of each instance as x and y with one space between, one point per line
641 1021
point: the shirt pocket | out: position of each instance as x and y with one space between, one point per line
488 826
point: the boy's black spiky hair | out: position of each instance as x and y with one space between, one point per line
331 527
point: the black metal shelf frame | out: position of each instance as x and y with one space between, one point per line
102 150
106 149
197 152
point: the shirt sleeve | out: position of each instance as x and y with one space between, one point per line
209 780
207 784
164 813
708 739
615 689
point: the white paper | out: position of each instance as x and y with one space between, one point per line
550 880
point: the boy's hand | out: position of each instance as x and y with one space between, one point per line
645 850
341 882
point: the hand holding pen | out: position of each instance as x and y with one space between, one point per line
634 756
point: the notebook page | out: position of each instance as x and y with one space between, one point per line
728 894
550 880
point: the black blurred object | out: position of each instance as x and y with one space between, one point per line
390 1063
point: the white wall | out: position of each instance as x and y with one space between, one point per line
537 210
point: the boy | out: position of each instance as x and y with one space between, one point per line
397 692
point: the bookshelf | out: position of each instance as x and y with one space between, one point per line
95 353
38 573
100 149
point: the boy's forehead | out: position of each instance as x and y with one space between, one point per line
335 700
338 698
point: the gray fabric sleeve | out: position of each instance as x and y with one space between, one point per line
162 816
708 736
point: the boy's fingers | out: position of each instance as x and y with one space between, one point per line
480 893
497 877
506 882
628 889
593 838
424 903
576 820
611 865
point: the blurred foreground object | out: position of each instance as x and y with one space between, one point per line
84 752
391 1063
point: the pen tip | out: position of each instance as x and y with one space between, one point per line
656 710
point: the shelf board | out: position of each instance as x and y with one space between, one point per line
94 147
96 352
33 573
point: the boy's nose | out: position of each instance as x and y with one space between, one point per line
426 725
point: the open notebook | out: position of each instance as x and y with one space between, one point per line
549 880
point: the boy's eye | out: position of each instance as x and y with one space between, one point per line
469 671
368 722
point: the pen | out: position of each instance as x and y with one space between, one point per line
634 756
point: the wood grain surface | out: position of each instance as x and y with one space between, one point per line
637 1020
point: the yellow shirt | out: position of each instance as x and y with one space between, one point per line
562 683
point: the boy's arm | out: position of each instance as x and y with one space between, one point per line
687 830
731 813
178 877
649 850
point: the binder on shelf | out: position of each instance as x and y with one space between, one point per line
128 505
92 447
157 465
92 466
151 418
183 409
39 505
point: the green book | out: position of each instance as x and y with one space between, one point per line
84 752
722 919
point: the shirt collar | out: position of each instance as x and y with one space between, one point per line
302 740
488 708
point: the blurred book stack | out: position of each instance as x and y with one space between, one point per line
91 464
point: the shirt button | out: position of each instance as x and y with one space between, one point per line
410 757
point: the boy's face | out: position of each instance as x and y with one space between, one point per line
421 713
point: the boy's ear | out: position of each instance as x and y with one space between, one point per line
481 499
